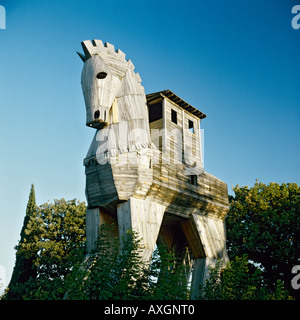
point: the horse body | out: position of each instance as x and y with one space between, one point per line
128 180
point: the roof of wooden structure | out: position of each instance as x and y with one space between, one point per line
173 97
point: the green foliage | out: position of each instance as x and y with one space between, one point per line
264 223
263 228
119 272
57 229
172 277
24 268
54 240
238 282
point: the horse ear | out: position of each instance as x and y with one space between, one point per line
81 56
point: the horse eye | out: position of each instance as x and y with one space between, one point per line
101 75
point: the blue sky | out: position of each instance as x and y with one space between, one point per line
236 61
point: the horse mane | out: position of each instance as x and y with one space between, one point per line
114 59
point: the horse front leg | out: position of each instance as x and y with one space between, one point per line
145 218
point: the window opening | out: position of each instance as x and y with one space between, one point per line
194 180
155 112
174 116
191 126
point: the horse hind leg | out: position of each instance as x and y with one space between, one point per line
207 239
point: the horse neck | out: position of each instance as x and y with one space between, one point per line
132 106
129 129
131 99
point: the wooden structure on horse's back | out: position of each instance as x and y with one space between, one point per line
144 168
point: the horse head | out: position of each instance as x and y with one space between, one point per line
106 76
115 99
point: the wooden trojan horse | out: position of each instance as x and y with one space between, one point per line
149 181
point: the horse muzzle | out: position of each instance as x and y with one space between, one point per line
98 118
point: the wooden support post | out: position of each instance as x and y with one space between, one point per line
145 218
199 145
212 236
200 274
92 227
164 117
94 218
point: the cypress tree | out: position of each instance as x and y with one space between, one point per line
24 268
